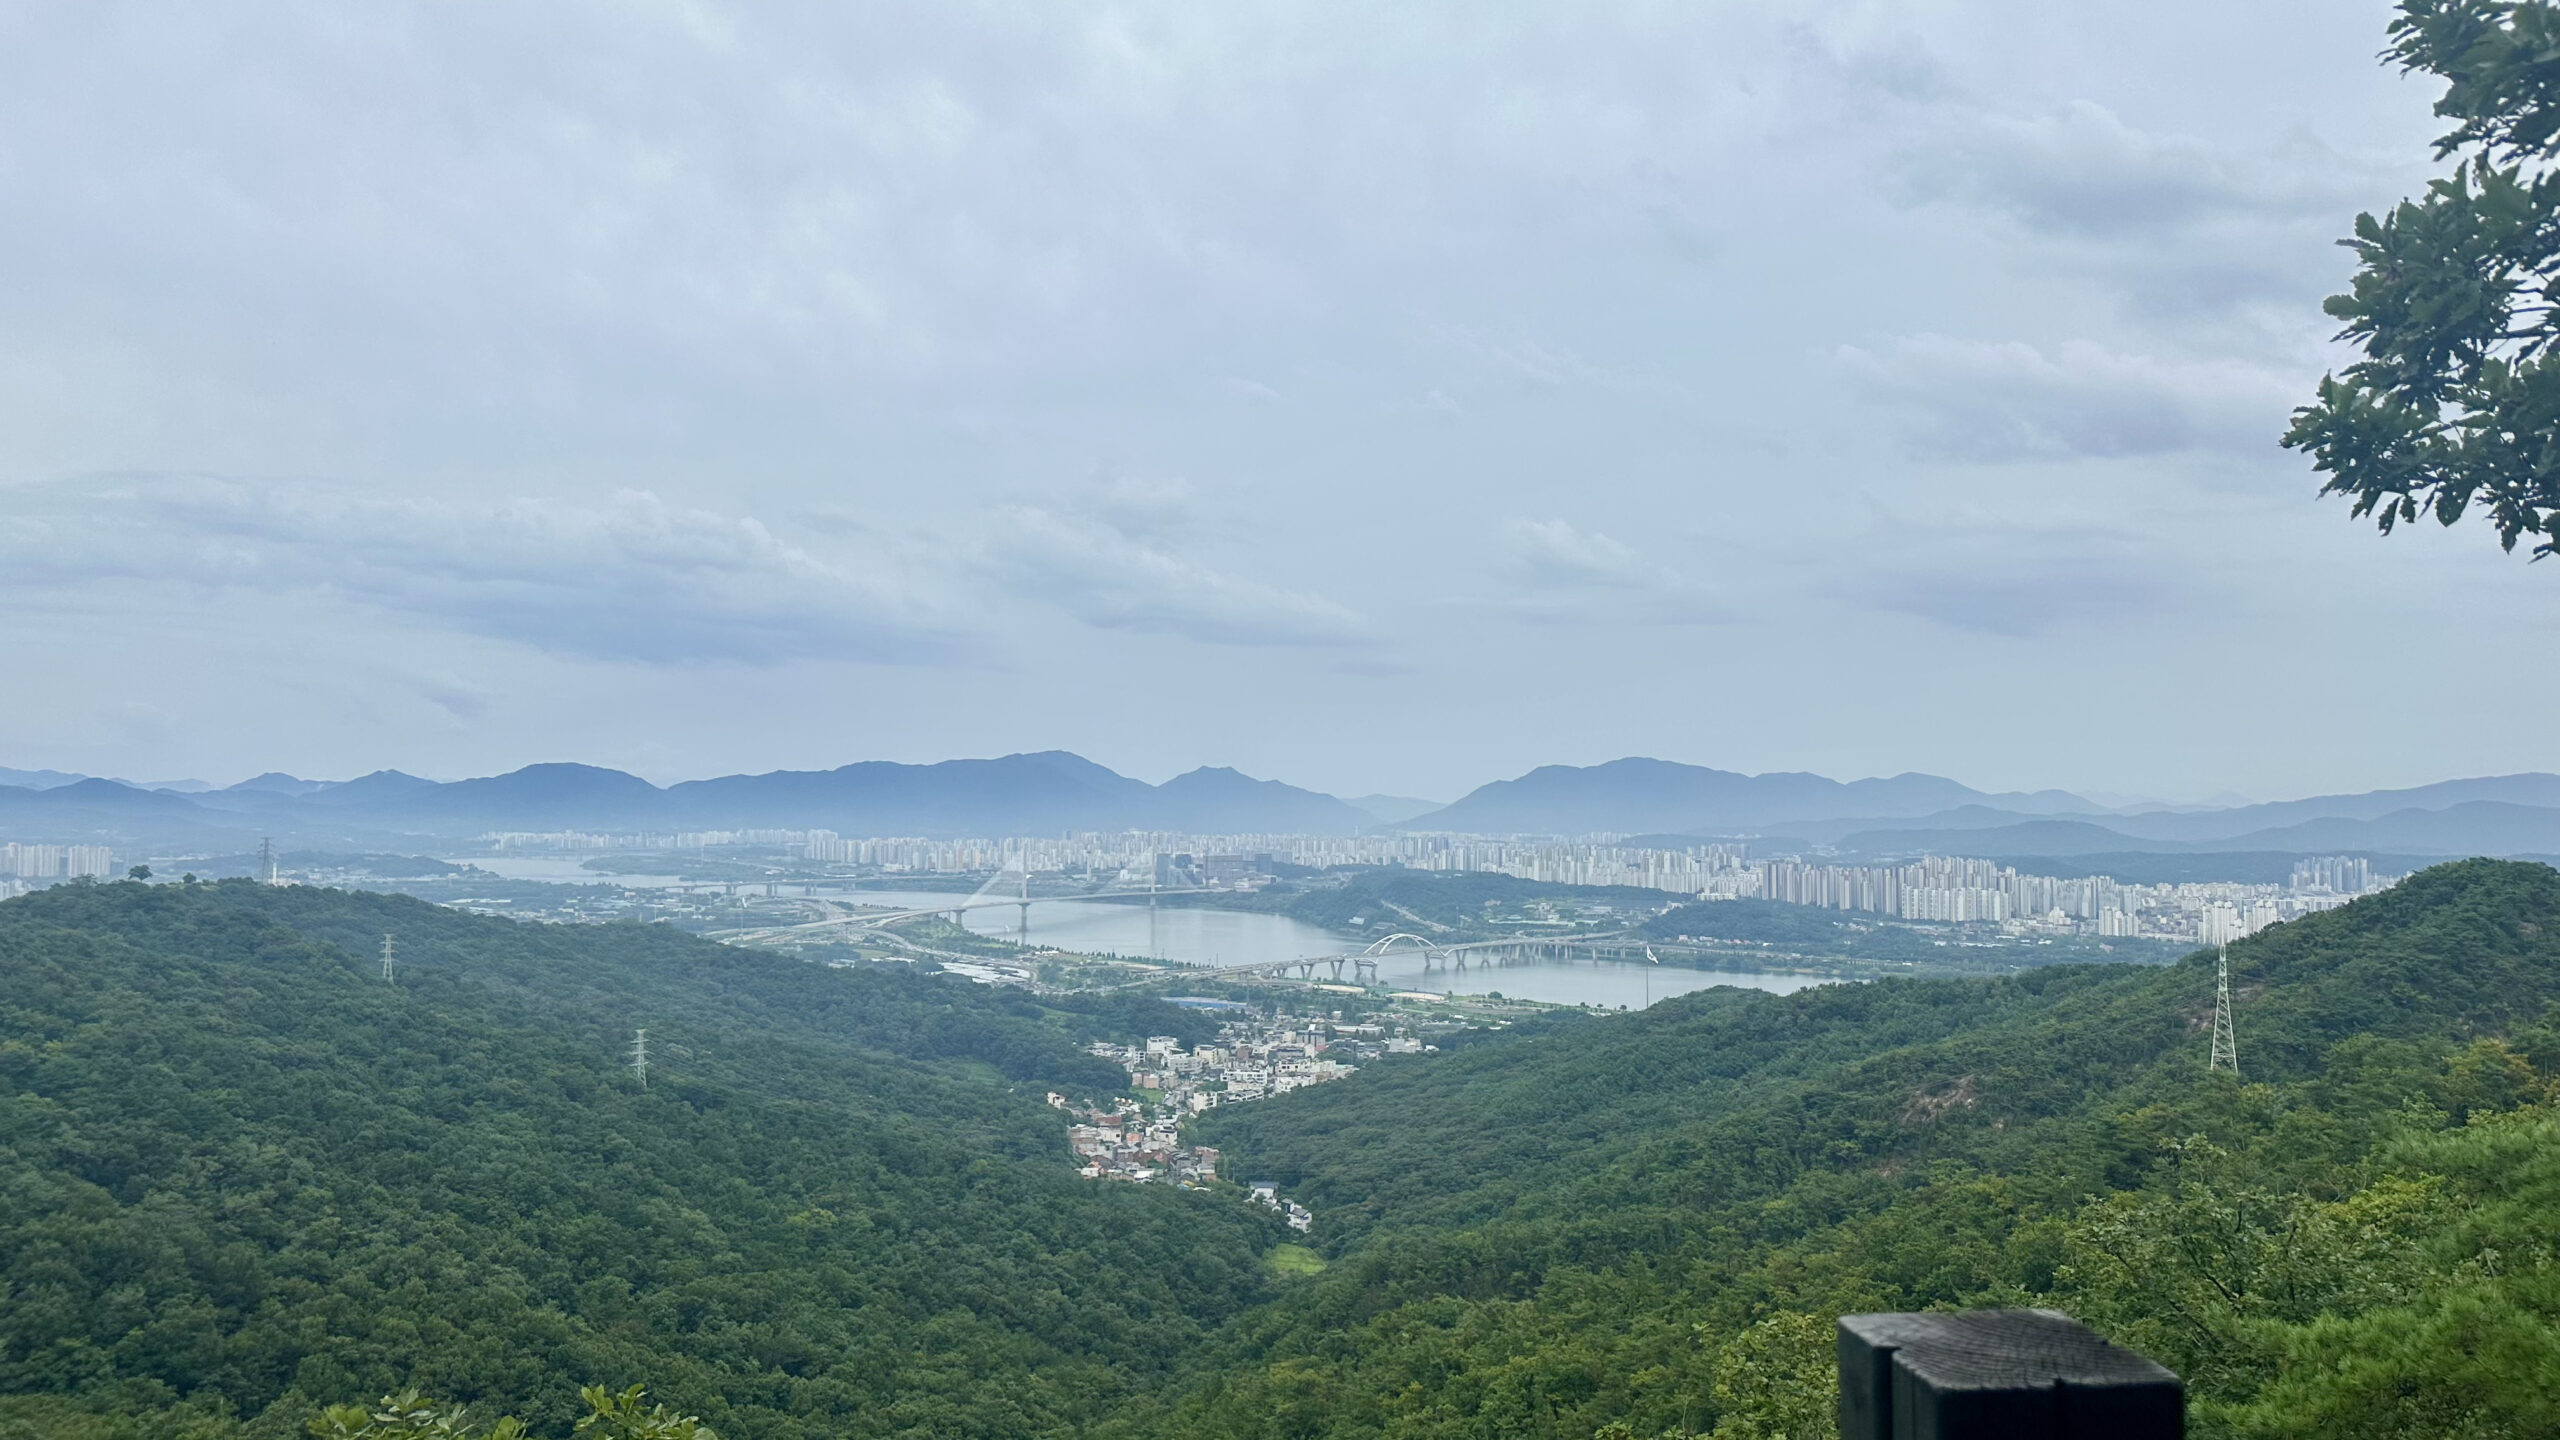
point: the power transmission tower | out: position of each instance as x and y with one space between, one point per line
640 1055
266 860
389 977
2226 1049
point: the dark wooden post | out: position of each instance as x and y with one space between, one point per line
1998 1375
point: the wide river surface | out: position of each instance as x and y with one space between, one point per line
1237 937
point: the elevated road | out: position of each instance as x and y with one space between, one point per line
855 918
1364 963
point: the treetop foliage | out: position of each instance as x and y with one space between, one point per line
2456 299
611 1415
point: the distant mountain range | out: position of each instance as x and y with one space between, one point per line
1046 793
1055 792
1636 796
1928 814
2475 827
49 779
1393 809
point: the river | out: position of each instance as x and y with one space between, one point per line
1238 937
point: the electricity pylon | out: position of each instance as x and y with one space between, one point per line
640 1055
2226 1049
266 861
388 977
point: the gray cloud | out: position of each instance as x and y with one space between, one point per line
2008 400
849 289
1556 573
2081 171
455 697
1987 569
630 579
1552 553
1110 578
2183 224
1151 510
2021 597
1874 70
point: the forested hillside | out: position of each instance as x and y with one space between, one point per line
241 1176
1642 1226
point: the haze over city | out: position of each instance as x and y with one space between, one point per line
1122 720
1374 400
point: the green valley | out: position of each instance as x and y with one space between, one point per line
246 1178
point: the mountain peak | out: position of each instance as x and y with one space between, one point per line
276 782
1642 795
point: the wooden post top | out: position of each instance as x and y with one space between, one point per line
2011 1374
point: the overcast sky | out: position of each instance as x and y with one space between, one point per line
1375 397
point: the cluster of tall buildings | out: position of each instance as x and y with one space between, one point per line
2339 874
505 840
55 862
1943 889
2219 922
1946 888
1143 855
911 856
1692 871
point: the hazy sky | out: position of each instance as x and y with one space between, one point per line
1376 397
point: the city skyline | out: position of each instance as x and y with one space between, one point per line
1949 889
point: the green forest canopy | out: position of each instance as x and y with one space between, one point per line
241 1175
241 1179
1643 1226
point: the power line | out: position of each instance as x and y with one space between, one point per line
640 1055
2226 1048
